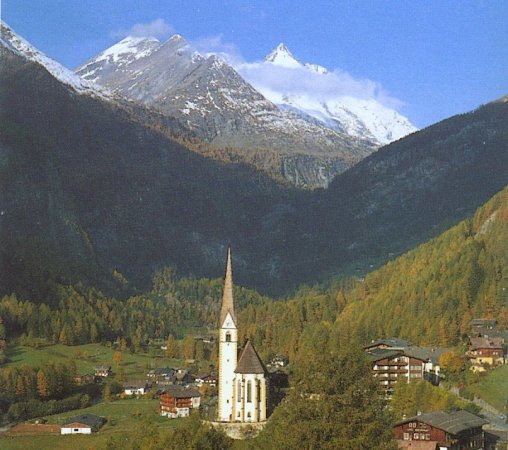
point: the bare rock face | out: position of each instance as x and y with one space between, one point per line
221 108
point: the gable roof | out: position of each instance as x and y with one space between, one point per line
483 342
91 420
378 354
394 343
227 297
425 353
249 361
181 392
452 423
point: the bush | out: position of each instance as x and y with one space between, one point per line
36 408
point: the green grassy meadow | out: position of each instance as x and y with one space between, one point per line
493 387
86 357
124 418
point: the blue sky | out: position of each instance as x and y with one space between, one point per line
438 57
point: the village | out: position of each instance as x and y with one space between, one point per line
242 391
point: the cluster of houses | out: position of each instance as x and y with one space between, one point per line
394 358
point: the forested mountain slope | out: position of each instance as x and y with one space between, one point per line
430 294
427 295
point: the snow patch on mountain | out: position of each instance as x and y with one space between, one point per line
282 57
12 41
135 46
333 98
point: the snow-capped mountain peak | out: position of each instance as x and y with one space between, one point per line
176 38
15 43
138 47
281 56
357 116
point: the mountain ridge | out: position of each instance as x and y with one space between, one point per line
90 191
224 110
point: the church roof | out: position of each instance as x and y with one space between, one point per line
227 297
249 361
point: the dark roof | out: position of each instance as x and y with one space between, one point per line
181 392
425 353
389 342
135 384
482 342
162 371
452 423
490 333
87 419
249 361
381 353
483 322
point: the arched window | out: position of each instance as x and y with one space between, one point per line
249 391
239 389
258 390
228 337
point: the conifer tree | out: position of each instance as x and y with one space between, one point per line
42 384
171 347
333 404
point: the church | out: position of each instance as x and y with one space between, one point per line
243 381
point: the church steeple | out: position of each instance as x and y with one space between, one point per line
227 297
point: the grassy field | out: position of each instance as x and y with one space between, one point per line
493 388
86 357
124 418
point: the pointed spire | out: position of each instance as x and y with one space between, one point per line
227 297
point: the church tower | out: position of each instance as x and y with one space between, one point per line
228 343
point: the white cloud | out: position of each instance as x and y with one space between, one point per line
158 28
302 81
215 45
271 79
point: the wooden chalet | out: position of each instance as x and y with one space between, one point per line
208 379
136 387
178 402
102 371
484 351
279 361
458 430
160 374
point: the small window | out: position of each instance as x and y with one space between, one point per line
249 391
406 436
239 388
248 415
228 337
